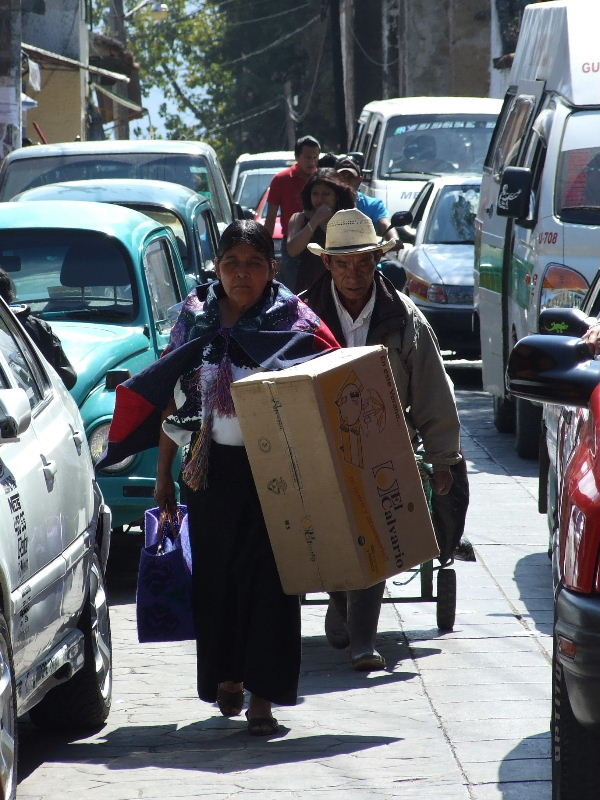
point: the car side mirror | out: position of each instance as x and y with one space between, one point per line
15 414
515 193
564 321
560 370
401 218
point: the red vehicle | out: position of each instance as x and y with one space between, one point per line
560 371
261 213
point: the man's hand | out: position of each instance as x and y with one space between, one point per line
592 337
441 481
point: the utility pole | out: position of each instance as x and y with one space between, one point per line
116 27
290 127
338 75
346 23
10 76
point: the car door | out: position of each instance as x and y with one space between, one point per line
165 288
31 498
206 233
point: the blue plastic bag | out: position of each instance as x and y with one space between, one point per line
164 588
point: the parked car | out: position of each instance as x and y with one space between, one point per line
109 281
191 164
275 158
188 214
438 258
560 371
55 642
251 186
260 216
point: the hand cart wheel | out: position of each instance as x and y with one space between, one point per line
446 599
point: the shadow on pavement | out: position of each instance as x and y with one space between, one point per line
528 763
216 745
533 576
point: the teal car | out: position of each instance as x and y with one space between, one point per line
109 280
189 214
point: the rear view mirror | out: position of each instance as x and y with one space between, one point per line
564 321
15 414
515 192
553 369
401 218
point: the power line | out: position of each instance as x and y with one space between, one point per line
243 119
271 16
368 57
273 44
299 117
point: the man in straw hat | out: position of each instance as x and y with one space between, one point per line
361 306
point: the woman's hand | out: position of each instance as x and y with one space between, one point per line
322 215
165 494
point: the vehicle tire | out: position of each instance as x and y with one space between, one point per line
446 599
575 773
83 702
8 717
426 576
528 420
504 414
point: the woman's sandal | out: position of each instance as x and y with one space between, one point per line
230 703
262 726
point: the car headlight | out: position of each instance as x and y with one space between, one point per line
98 441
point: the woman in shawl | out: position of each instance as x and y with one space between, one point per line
248 630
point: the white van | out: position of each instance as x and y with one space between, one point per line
537 234
407 140
273 158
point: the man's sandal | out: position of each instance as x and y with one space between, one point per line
262 726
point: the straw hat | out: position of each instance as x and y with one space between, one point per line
350 231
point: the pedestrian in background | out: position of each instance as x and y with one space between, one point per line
361 307
285 197
351 174
322 196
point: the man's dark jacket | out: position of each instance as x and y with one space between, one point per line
47 342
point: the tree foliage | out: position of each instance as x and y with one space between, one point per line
224 67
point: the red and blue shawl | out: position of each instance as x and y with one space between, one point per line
277 332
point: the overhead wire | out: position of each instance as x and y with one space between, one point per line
244 119
300 117
368 57
272 44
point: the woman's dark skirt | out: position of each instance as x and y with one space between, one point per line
247 628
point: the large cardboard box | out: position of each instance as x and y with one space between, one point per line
335 471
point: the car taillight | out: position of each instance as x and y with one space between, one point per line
562 287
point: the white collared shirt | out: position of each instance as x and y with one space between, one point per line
355 330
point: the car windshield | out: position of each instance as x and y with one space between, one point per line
577 197
69 274
186 169
170 220
435 144
253 188
453 216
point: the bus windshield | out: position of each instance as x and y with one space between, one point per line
435 144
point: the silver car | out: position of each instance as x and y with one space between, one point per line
55 643
438 259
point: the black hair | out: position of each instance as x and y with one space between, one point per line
327 160
305 141
345 196
7 287
247 231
